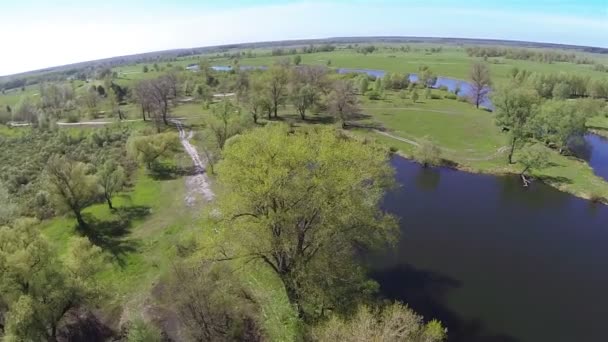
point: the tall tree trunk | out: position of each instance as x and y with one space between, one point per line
109 201
512 150
79 219
143 113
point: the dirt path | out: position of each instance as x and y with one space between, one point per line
197 185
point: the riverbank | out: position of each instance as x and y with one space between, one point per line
470 141
567 174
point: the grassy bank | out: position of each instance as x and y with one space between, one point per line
470 138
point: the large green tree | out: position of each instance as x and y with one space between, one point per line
226 121
342 101
37 288
111 179
303 203
277 78
480 82
148 148
71 185
515 110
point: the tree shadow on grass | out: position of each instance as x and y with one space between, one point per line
425 292
555 180
112 234
169 172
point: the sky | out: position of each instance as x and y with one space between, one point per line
36 34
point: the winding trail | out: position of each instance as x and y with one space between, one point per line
197 185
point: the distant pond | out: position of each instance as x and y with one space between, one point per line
496 262
451 83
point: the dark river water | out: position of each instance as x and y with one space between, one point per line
595 152
494 261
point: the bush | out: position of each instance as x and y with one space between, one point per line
451 96
72 117
403 94
5 117
435 97
374 95
443 88
463 99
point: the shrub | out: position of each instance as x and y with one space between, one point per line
73 117
443 88
374 95
5 117
435 97
451 96
463 99
403 94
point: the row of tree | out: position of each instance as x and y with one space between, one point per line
544 55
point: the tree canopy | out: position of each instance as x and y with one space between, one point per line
303 202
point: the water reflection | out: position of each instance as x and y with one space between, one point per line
428 179
488 257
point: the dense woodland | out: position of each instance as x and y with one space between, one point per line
297 198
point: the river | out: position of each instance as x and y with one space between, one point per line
494 261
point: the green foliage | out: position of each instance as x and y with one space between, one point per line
343 102
533 158
415 96
558 122
8 208
561 91
374 95
427 153
37 288
394 323
141 331
226 121
71 185
211 302
303 97
426 77
148 148
23 176
301 205
363 84
297 59
515 110
111 180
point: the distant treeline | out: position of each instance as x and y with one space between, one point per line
545 56
562 86
305 49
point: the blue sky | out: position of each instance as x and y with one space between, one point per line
39 34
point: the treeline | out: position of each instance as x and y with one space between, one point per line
544 56
533 121
562 85
303 50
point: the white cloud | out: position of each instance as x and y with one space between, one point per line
38 38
